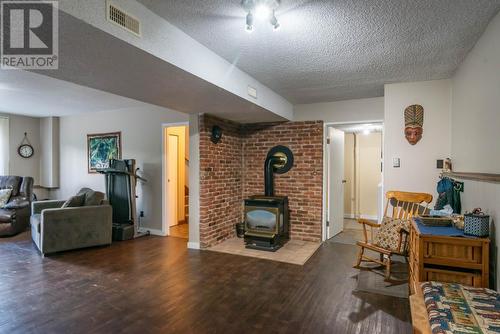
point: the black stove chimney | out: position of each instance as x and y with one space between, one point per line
269 164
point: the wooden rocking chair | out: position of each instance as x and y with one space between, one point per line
405 206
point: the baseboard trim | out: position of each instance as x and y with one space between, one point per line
152 231
193 245
349 216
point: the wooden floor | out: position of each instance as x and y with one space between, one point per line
179 231
156 285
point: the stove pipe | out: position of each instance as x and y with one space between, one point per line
269 164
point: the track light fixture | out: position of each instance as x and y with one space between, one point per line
249 22
263 10
274 21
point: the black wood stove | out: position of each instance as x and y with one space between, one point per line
267 222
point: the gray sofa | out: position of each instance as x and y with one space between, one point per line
56 229
15 216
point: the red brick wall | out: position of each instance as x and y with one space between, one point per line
303 184
220 181
234 169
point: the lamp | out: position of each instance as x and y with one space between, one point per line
263 10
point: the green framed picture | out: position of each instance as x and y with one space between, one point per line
101 148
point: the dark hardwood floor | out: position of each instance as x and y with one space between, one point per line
156 285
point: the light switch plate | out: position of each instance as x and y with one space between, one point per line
396 162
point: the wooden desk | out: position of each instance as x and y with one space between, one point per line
447 259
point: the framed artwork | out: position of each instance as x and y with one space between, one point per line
101 148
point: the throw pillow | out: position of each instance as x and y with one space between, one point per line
92 197
74 201
4 196
388 234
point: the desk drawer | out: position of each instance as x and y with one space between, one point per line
450 276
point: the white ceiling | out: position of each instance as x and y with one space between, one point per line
36 95
111 74
360 127
329 50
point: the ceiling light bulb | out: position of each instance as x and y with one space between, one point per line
274 21
249 26
366 132
262 12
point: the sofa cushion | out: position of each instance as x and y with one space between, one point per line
12 182
4 196
388 234
6 215
74 201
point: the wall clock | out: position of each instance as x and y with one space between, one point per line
25 150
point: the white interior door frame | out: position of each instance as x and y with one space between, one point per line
327 125
165 230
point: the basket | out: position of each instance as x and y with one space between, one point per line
477 224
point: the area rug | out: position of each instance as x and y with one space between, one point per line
293 252
373 281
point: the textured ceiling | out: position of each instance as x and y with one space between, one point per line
110 65
329 50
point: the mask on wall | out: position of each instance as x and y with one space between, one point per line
414 122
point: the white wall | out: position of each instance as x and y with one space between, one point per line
476 106
418 172
18 126
141 140
363 177
194 182
369 174
49 158
360 110
349 176
475 125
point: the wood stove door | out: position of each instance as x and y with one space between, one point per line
335 194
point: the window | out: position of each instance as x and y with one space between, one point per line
4 145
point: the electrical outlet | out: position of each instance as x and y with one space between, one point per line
396 162
141 214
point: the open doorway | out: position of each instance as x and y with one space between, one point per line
176 180
353 177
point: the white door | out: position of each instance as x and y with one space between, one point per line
335 193
172 179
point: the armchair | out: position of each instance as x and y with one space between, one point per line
15 215
55 229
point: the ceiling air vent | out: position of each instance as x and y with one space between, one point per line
124 20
